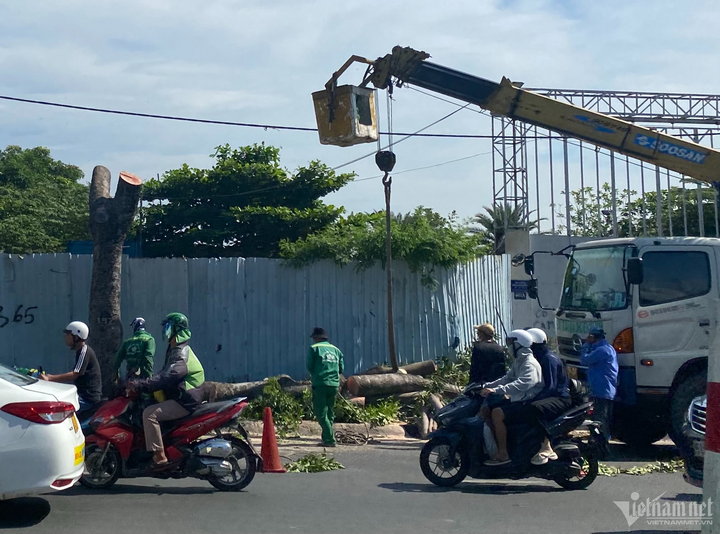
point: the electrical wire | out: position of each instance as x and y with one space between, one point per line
423 168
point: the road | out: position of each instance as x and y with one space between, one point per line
381 491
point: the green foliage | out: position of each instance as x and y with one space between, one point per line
287 411
423 239
348 412
245 205
383 413
493 221
591 212
658 467
43 205
313 463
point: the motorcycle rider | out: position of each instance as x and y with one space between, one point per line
137 351
86 374
181 380
554 399
520 384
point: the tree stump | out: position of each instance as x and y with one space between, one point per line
110 220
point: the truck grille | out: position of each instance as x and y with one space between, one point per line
566 347
697 417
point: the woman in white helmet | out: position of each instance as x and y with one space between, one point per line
86 373
521 384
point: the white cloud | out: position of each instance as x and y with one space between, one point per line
258 61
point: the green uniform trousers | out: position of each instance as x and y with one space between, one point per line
324 406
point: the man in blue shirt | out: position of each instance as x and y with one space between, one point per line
601 360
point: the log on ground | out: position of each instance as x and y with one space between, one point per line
425 368
384 384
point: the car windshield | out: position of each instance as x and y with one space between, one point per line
14 377
594 280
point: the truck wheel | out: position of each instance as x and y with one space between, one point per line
691 386
637 433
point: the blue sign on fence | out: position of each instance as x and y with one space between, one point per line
518 286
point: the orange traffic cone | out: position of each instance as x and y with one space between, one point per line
269 450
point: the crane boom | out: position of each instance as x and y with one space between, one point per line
406 65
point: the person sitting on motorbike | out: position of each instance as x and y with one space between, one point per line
181 380
138 352
554 399
519 385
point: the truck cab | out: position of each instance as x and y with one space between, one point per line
661 321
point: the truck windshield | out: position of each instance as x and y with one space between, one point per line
594 280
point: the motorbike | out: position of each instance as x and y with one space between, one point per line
457 449
202 445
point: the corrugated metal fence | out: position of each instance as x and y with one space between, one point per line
251 318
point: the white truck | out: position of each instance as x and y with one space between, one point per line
656 298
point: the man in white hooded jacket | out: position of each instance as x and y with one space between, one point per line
520 384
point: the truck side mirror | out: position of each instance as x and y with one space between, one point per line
532 288
635 271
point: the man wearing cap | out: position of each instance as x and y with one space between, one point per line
601 360
488 358
325 363
137 351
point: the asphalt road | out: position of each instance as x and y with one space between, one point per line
381 491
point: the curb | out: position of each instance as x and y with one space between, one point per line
311 429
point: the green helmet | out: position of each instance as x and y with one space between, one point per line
174 324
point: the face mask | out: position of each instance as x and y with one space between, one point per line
167 332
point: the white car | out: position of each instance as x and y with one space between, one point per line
42 447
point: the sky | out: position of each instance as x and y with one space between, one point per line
259 61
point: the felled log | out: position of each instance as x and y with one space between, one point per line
425 368
404 398
358 401
436 403
252 390
451 391
423 424
384 384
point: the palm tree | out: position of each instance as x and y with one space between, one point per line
492 224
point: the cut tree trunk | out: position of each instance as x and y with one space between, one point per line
110 220
385 384
425 368
251 390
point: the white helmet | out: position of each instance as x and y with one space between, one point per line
538 336
79 329
521 337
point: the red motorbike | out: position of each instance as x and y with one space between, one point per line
201 445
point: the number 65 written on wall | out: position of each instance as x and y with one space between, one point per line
18 316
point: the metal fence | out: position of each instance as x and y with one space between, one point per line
251 318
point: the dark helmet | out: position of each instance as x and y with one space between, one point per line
174 323
138 324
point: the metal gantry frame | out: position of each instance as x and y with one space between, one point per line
692 116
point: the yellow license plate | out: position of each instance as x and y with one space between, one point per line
79 454
572 372
76 423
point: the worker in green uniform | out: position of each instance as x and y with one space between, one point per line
325 363
137 351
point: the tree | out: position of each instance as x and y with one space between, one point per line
494 221
591 214
43 205
423 239
245 205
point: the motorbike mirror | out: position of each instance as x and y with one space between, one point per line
635 271
532 288
518 260
529 265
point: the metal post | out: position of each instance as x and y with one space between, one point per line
597 193
582 190
614 196
669 203
684 206
642 192
658 202
537 181
552 185
701 214
568 228
629 211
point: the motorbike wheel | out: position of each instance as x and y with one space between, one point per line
588 472
244 465
439 468
96 476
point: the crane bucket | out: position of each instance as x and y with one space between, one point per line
346 115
